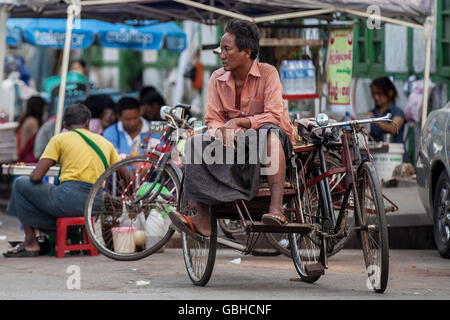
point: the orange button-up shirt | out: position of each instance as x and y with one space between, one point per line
261 99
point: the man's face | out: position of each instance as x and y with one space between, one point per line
108 117
231 57
380 97
151 111
130 119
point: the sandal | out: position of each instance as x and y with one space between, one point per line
184 224
274 219
20 251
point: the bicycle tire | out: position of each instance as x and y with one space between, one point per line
373 231
108 188
337 244
308 249
199 255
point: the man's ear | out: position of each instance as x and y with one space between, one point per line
248 52
86 124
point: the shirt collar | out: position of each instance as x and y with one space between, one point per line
254 71
145 126
388 110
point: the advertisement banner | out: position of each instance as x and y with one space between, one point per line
339 66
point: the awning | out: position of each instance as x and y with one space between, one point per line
46 32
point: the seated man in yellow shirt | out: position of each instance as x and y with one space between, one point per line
83 156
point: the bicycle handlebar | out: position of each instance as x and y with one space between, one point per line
352 123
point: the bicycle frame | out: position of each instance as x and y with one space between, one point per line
162 152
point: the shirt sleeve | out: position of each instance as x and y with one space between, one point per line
111 134
52 150
113 155
273 102
214 116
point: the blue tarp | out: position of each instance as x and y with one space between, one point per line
44 32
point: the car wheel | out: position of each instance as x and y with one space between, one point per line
441 215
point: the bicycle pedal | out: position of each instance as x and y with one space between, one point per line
315 269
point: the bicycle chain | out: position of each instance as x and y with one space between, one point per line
326 235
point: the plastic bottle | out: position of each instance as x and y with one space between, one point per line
300 77
156 227
347 118
310 77
284 76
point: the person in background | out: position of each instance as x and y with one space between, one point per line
384 95
144 91
79 66
130 131
151 105
43 136
108 116
29 125
102 110
38 204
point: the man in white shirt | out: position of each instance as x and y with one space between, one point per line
130 131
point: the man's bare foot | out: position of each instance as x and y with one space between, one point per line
201 224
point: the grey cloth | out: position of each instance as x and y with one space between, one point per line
38 205
219 183
45 133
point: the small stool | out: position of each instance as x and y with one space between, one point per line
61 237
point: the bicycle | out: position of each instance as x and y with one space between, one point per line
310 208
138 192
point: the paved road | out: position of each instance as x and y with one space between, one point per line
414 275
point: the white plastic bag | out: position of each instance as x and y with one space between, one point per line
413 110
156 227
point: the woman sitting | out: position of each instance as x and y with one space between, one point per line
29 125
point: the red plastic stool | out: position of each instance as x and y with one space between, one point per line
61 237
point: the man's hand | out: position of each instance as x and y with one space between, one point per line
229 129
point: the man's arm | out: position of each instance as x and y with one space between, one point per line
41 170
390 127
214 116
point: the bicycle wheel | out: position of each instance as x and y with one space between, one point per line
307 249
131 231
199 254
337 188
374 233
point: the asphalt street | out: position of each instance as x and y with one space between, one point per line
414 274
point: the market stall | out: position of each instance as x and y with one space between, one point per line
418 14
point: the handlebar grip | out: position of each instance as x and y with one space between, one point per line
183 105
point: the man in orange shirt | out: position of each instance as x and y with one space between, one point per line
244 94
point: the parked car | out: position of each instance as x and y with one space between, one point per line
433 175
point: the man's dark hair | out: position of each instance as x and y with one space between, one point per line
144 91
385 84
127 103
95 103
247 35
76 113
99 102
153 97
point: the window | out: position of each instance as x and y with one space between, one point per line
368 49
443 33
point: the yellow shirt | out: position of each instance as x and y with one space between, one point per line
78 161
